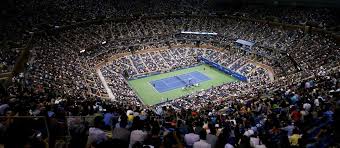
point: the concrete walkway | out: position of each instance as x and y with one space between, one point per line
108 90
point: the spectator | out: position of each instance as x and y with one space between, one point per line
96 134
191 137
202 143
294 139
120 132
211 137
137 132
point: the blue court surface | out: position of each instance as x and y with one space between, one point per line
170 83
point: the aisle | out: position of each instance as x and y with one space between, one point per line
108 90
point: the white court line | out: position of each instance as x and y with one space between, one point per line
166 83
161 80
153 87
177 80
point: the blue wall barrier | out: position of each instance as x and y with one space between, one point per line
223 69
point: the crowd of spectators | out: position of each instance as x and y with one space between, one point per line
8 58
23 17
263 34
299 115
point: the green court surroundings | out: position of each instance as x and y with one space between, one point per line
150 96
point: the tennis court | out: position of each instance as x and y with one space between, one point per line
179 81
167 86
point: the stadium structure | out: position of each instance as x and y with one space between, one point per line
170 73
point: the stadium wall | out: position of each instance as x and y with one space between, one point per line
223 69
